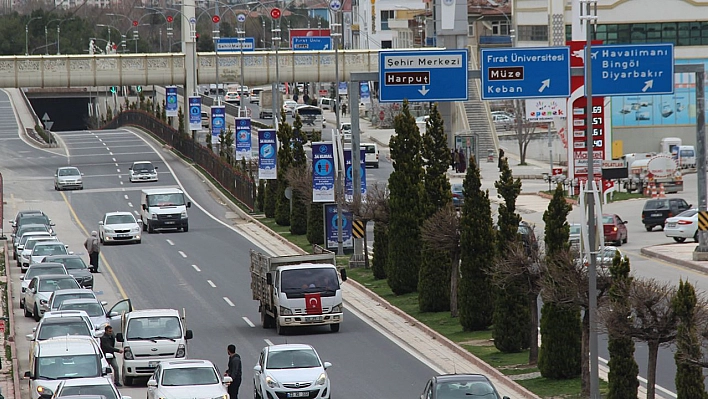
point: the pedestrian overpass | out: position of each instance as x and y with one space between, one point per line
259 67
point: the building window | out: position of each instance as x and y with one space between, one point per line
500 28
533 33
678 33
385 15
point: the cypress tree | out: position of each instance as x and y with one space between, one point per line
561 333
271 193
297 129
260 196
378 263
622 378
298 215
689 375
406 192
434 276
511 311
315 223
285 159
476 254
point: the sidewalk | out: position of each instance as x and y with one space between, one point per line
9 368
678 254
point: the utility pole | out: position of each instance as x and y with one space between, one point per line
335 6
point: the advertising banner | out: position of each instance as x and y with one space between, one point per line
171 104
332 230
267 154
545 109
243 138
322 172
343 88
349 176
218 120
195 113
364 93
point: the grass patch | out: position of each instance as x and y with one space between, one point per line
548 388
622 196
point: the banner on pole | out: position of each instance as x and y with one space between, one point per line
323 172
267 154
171 104
195 113
349 173
243 138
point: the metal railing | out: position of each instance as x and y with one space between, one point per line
238 183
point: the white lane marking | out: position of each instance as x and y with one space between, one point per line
125 196
118 170
116 163
170 241
121 183
211 283
196 268
229 301
183 254
249 322
137 213
110 153
108 149
269 342
120 176
114 160
130 204
99 139
102 141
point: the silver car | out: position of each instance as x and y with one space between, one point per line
142 171
119 226
68 177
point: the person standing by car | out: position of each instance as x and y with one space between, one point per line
93 246
108 345
233 370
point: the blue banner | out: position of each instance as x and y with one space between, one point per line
349 176
233 44
342 88
218 120
322 172
171 104
364 92
332 229
195 113
243 138
267 152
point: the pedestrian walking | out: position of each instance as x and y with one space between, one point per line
344 109
108 345
463 163
456 160
452 159
93 246
233 370
499 161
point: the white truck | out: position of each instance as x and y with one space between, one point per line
265 104
297 290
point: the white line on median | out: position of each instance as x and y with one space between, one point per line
170 241
211 283
130 204
249 322
229 301
114 160
110 153
125 196
269 342
196 268
117 170
183 254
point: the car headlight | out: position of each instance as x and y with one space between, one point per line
154 216
107 230
42 301
322 379
181 352
285 311
271 382
127 353
135 230
42 390
183 215
337 308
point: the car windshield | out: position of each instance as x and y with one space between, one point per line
100 390
456 188
69 172
31 243
26 237
173 199
93 309
52 284
300 281
574 229
370 149
166 327
656 205
58 299
35 219
70 366
72 263
41 271
143 168
606 219
689 213
292 359
29 229
63 328
49 250
454 390
120 219
189 376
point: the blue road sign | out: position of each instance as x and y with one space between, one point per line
195 113
218 120
171 104
233 44
515 73
300 43
435 75
332 228
630 70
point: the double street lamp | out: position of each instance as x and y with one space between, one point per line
46 33
27 33
59 31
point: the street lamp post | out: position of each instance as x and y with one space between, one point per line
242 40
27 34
59 31
334 7
46 35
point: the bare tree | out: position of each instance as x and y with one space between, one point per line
374 206
442 231
524 130
566 283
523 265
300 179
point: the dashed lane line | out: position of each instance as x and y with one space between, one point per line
170 241
249 322
229 301
211 283
182 254
196 268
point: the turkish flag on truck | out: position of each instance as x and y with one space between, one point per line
313 304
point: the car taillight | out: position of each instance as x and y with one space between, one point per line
671 214
685 222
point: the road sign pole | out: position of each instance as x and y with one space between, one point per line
701 251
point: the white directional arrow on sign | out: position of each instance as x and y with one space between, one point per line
47 121
545 84
423 91
648 85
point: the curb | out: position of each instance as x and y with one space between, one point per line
646 251
11 326
549 196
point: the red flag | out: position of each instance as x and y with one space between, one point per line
313 304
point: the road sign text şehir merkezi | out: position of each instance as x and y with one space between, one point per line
444 61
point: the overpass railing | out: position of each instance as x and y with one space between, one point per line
238 183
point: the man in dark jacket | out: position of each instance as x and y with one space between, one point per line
108 345
233 370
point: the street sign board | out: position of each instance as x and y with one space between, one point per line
425 76
311 43
233 44
241 18
218 120
195 113
323 176
267 154
331 228
518 73
171 104
243 138
631 70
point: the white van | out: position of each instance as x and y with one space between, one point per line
164 208
148 337
372 154
325 103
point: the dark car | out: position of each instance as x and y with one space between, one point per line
76 267
656 211
614 229
458 196
22 214
455 386
33 219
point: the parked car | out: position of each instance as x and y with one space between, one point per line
75 266
346 130
48 248
35 230
40 288
32 218
91 388
68 177
281 369
93 308
181 378
683 226
371 154
453 386
615 229
24 255
38 269
458 196
57 297
502 121
656 211
575 231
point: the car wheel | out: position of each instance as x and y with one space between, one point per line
279 328
127 381
255 394
145 227
150 229
35 313
139 241
626 238
680 239
648 227
334 327
185 228
618 243
100 238
27 312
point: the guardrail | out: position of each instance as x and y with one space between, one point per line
238 183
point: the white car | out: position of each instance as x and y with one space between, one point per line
40 289
119 226
232 97
68 177
289 106
682 226
93 308
24 256
48 248
59 296
38 269
346 130
180 379
97 387
291 371
61 324
142 171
